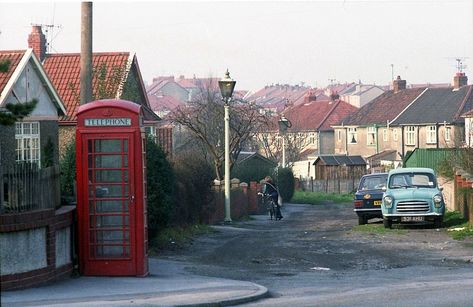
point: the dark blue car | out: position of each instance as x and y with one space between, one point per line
368 197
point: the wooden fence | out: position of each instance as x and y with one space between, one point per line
339 186
26 187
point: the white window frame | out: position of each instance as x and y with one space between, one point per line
371 136
28 147
395 134
312 138
448 134
410 136
352 135
385 135
431 134
339 135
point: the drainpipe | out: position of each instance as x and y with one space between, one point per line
418 136
376 138
437 141
402 143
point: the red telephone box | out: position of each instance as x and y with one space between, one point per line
111 189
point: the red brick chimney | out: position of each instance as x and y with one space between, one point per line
460 80
399 85
310 96
37 41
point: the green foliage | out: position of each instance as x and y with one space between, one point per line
252 170
131 89
285 182
445 168
161 182
194 177
48 156
453 219
68 170
4 66
316 198
17 111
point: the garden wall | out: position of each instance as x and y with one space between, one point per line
36 247
244 200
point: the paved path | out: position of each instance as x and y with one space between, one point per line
167 285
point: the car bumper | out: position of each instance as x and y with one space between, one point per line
412 214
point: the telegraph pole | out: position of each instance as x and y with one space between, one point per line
86 53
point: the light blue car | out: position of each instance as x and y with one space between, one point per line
412 196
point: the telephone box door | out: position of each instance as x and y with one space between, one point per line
110 189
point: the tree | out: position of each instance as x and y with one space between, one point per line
268 141
203 117
14 112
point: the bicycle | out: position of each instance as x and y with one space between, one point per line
270 204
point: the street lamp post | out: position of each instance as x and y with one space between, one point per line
226 89
283 123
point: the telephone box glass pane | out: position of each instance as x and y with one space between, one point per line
108 161
109 146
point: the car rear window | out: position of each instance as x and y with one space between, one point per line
373 183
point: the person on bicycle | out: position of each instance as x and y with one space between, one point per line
271 190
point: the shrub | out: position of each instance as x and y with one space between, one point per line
67 165
254 170
161 184
285 181
194 176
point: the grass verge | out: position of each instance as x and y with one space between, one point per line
175 237
379 229
316 198
457 226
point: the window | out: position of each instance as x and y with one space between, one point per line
371 136
395 134
431 134
312 138
385 135
27 142
448 131
352 136
410 135
339 135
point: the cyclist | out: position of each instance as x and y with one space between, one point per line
271 190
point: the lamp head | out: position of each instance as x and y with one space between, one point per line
226 85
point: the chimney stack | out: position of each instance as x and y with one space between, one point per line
399 85
310 96
459 80
37 42
334 96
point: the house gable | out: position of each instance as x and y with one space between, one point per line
27 81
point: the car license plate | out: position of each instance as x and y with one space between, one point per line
412 218
377 203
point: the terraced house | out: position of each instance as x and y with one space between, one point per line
403 119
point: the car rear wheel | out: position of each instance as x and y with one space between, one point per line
362 220
387 223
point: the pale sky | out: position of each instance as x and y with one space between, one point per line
266 42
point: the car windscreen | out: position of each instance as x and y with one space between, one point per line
412 180
373 183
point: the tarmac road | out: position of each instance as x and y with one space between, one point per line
313 257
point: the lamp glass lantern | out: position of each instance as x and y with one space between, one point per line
226 85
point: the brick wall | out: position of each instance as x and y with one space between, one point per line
52 221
